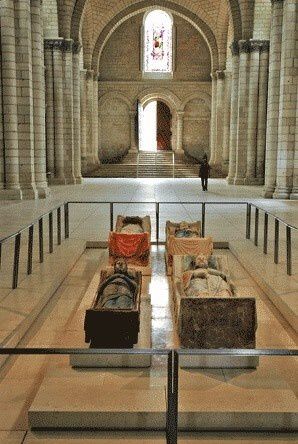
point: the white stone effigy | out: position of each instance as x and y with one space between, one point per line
184 238
208 314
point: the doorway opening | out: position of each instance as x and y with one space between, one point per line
155 127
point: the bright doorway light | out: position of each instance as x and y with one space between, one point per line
148 127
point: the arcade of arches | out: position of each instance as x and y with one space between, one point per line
72 77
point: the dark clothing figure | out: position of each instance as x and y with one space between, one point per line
204 173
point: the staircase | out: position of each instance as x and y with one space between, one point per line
148 164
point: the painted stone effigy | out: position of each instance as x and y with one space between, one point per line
114 318
207 312
131 241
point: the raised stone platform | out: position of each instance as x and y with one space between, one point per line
135 399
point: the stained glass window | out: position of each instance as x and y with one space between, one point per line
158 42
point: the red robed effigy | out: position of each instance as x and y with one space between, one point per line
135 248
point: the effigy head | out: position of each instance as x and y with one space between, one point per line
120 266
184 225
201 261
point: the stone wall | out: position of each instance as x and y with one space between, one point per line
120 81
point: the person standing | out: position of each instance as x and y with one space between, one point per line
204 173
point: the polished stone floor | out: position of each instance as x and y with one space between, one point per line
21 378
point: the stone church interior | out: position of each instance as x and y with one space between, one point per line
139 304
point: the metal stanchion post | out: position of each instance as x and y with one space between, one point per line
276 241
59 226
248 220
111 216
16 260
40 238
30 249
203 219
256 226
265 247
51 234
289 251
157 222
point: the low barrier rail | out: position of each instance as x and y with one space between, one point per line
172 412
204 205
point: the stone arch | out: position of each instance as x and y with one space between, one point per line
163 94
197 95
114 123
171 100
114 95
233 5
140 7
196 124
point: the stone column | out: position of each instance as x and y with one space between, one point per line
58 112
179 133
220 90
273 97
9 101
226 122
38 99
262 112
287 101
1 129
76 113
49 93
95 120
83 92
244 49
234 112
89 113
213 136
133 143
253 97
68 111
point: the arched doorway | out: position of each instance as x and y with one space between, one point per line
155 126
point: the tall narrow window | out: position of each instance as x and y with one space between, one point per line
158 36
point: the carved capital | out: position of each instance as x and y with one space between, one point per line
234 48
265 46
67 45
277 1
220 75
213 75
76 47
89 74
244 46
53 44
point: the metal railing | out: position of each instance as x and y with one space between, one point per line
172 409
65 206
30 227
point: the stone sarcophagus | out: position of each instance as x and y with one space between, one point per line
113 320
207 312
131 240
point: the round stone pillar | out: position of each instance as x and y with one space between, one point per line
213 118
133 143
253 96
226 121
287 102
49 118
91 162
1 131
68 111
38 81
244 49
273 97
95 120
9 101
262 112
179 132
76 113
220 89
83 93
234 112
58 111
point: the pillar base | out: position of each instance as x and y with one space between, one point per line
78 180
281 193
29 193
230 180
58 181
239 181
294 194
70 180
253 181
268 192
14 194
43 192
